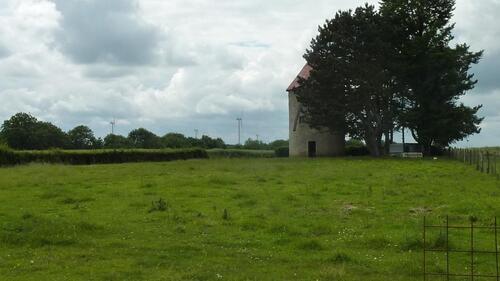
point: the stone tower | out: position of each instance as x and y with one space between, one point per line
304 140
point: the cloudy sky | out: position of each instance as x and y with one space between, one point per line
181 65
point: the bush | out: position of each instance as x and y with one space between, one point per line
89 157
356 150
282 152
437 151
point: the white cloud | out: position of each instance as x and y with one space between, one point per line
178 65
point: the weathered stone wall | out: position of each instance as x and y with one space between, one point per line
327 143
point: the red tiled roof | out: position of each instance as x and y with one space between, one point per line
304 74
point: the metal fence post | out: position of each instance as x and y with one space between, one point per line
488 159
447 250
496 249
472 248
425 272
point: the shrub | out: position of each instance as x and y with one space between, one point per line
437 150
283 151
159 206
356 150
89 157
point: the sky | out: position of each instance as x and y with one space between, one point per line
181 65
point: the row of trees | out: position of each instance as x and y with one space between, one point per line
377 71
260 145
24 132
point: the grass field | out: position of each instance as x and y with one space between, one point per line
233 219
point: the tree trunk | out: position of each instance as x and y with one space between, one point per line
387 144
373 145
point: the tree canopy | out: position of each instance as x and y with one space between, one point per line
82 137
375 71
25 132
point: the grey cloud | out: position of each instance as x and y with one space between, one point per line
4 52
181 65
108 31
250 44
487 72
104 72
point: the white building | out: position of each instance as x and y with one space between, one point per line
304 140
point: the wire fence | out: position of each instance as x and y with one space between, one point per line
485 161
473 270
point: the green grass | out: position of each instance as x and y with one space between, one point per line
236 219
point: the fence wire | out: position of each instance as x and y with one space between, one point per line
472 251
485 161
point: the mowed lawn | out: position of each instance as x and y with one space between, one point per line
233 219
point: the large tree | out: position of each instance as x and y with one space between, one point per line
433 74
349 88
142 138
23 131
116 141
175 140
82 137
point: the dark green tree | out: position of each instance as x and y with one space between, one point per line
23 131
432 74
47 135
349 88
209 143
116 141
82 137
255 144
19 130
278 144
142 138
175 140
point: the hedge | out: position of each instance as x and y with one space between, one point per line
89 157
282 152
240 153
356 150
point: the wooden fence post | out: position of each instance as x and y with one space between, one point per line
482 162
488 158
477 160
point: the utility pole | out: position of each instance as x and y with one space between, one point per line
113 123
240 122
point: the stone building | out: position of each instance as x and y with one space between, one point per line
304 140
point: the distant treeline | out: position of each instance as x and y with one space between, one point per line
25 132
